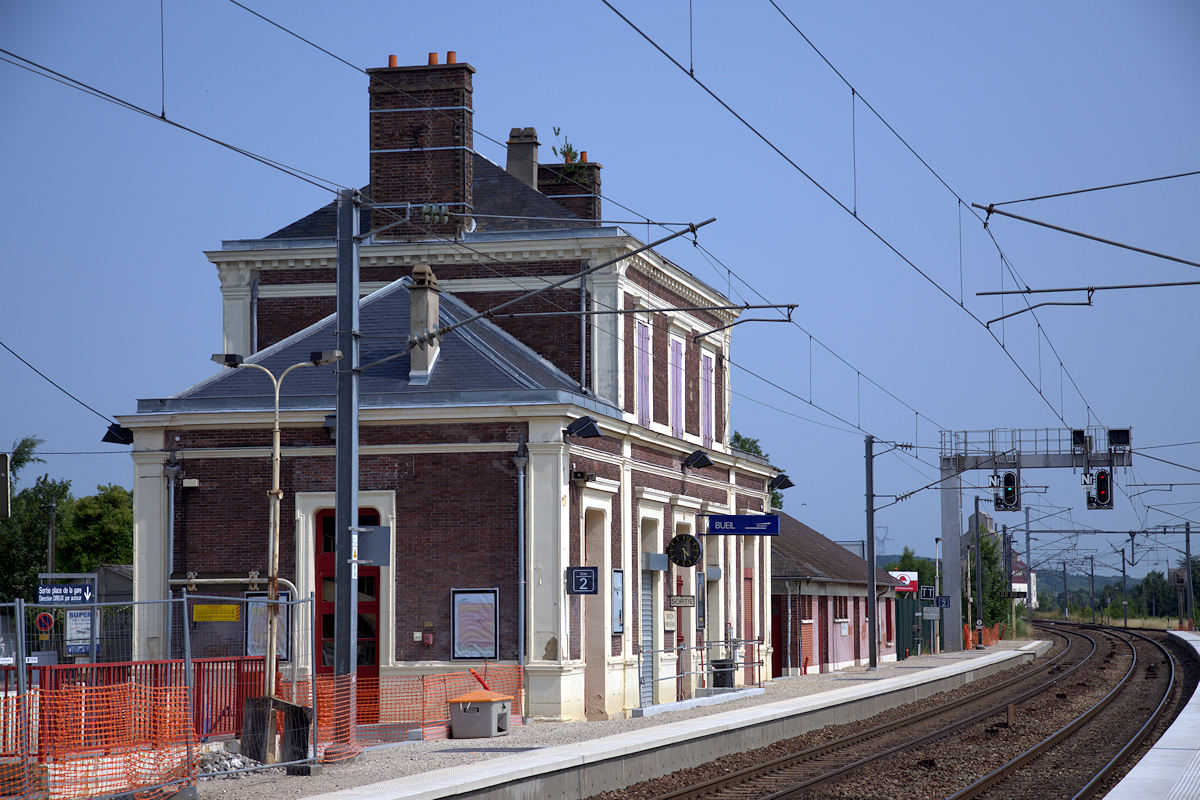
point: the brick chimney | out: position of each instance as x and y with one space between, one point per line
522 156
423 317
574 186
420 155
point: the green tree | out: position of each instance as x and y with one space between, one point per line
911 562
995 607
1161 599
752 446
23 536
24 452
98 531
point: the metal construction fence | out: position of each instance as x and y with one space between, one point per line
87 712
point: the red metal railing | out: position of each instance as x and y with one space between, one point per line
220 690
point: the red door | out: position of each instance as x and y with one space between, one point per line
748 629
777 623
368 613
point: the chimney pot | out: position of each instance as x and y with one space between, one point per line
451 57
583 156
433 59
391 61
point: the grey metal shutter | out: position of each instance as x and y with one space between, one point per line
646 659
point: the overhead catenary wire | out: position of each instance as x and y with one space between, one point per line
497 142
55 384
1138 182
991 209
74 83
825 191
962 203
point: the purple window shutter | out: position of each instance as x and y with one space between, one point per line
643 373
706 400
677 388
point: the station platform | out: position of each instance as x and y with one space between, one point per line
1171 769
570 769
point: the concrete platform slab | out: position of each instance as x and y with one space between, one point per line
1171 769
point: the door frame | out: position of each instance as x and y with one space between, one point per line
307 506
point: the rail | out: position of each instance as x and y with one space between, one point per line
1008 768
814 755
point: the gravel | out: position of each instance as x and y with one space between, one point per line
410 758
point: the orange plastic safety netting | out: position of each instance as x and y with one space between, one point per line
395 708
991 635
86 741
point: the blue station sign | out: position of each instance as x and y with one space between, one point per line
744 524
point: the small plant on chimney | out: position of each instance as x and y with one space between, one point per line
573 170
564 149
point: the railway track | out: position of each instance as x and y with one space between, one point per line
1081 754
938 751
813 766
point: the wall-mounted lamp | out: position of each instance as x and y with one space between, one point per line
331 426
117 435
697 460
582 428
780 481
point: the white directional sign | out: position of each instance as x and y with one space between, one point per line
64 593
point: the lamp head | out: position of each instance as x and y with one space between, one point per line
697 460
780 481
118 435
228 359
322 357
583 428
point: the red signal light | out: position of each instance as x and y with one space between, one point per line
1103 489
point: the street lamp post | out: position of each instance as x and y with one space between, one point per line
316 359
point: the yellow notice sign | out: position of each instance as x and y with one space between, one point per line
216 613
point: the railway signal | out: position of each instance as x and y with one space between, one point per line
1006 495
1102 499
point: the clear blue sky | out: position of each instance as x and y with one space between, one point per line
106 212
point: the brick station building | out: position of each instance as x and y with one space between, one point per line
444 431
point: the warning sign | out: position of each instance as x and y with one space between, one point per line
215 612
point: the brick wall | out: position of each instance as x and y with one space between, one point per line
555 338
559 181
450 534
280 317
434 164
749 481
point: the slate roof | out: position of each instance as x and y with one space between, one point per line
495 192
478 364
799 552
